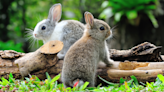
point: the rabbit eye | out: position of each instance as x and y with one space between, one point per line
102 28
43 27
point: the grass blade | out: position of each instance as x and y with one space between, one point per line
110 83
135 80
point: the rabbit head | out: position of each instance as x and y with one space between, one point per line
45 28
97 29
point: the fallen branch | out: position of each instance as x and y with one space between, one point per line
141 53
45 60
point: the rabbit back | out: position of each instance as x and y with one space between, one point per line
74 29
81 62
58 31
71 32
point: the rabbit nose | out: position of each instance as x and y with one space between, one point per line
35 35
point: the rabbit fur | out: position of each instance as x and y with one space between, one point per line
67 31
81 60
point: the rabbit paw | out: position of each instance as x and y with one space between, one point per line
110 63
60 56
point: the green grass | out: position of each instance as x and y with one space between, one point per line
34 84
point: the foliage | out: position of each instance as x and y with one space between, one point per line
129 8
17 15
34 84
9 45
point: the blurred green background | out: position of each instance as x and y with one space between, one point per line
134 21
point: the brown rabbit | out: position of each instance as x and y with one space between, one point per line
81 60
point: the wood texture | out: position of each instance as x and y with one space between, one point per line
52 47
42 59
141 53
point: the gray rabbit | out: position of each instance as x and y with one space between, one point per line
81 60
67 31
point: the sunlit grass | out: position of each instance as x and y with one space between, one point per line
34 84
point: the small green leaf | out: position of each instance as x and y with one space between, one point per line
104 4
11 79
98 90
152 18
14 5
142 83
27 79
84 86
92 88
150 7
56 83
48 81
122 80
148 84
37 79
68 89
161 77
135 80
130 82
157 82
48 76
118 16
139 8
4 81
106 13
122 3
110 83
55 78
1 83
10 75
131 14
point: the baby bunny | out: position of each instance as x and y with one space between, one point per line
81 60
67 31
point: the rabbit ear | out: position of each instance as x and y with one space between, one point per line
55 12
89 18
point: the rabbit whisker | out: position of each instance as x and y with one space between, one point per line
113 28
30 38
28 29
32 43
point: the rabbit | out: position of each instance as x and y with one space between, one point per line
81 60
67 31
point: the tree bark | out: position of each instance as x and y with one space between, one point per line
141 53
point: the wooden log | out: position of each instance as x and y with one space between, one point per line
141 53
42 59
45 60
7 65
114 75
